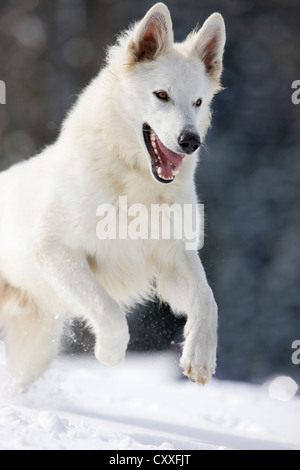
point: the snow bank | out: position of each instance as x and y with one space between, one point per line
143 404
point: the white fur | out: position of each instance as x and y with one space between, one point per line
48 210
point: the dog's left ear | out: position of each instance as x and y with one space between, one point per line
153 36
208 45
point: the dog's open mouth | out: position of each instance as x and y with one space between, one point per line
165 163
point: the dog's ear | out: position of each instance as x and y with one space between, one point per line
153 36
209 45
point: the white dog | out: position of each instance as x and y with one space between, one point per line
135 131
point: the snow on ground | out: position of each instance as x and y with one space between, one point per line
143 404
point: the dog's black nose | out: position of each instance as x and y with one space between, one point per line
189 142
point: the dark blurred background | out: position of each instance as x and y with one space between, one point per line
249 176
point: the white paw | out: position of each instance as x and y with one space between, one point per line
198 360
112 342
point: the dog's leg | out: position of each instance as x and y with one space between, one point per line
32 340
183 285
70 276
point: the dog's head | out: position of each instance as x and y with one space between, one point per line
168 88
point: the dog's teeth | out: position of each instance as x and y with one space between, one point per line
175 172
159 170
166 178
155 151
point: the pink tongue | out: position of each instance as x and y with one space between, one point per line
166 168
170 160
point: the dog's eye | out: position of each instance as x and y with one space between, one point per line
198 102
162 95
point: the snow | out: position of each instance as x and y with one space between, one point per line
144 404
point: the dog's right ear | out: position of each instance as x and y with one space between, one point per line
153 36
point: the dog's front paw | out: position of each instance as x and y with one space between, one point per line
112 342
198 360
197 370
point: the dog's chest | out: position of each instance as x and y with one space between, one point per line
124 268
